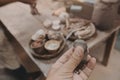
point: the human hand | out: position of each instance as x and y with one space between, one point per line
64 67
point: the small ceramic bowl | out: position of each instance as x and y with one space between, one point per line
52 46
53 35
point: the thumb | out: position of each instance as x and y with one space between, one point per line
74 60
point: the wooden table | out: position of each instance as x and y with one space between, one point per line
21 25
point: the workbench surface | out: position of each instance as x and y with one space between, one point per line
22 25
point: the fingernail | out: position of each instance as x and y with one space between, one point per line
79 51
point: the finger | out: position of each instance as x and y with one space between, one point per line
83 75
63 59
74 60
90 66
88 57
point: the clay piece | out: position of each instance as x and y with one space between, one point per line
49 46
39 35
37 46
63 16
56 27
56 22
38 40
53 35
47 23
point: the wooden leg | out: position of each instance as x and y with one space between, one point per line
110 43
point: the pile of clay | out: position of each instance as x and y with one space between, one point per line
46 44
52 39
72 28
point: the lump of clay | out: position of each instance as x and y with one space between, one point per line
63 16
39 35
56 22
56 27
36 44
53 35
81 29
47 23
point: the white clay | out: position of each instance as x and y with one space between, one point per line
56 27
56 22
47 23
38 34
63 16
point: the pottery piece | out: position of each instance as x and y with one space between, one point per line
56 27
52 35
63 16
56 22
39 35
47 23
52 46
81 29
37 46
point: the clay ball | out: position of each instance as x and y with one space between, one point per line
53 35
56 22
47 23
52 45
63 16
56 27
